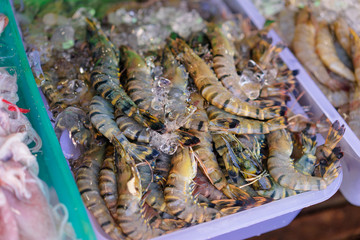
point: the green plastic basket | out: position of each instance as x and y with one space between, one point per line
54 169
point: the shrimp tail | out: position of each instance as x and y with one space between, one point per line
235 192
335 134
142 153
332 172
276 111
274 123
338 153
225 123
153 122
186 139
230 206
268 103
308 142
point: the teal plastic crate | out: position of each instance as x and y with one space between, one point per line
54 169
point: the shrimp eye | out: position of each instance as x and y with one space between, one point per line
251 63
323 162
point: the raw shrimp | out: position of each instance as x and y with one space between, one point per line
306 163
105 79
179 188
304 48
209 165
77 123
354 114
277 191
244 125
205 188
130 205
281 166
131 129
286 23
198 120
212 90
139 82
324 158
223 58
326 50
244 161
102 117
107 180
87 180
342 32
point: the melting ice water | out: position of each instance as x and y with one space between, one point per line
148 29
166 143
161 88
252 79
63 37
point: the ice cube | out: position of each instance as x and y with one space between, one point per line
63 37
187 23
50 19
166 143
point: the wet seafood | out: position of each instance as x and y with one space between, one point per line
326 49
130 205
304 48
86 179
244 126
282 169
101 116
208 164
224 64
178 189
107 179
106 82
342 32
355 107
213 91
178 94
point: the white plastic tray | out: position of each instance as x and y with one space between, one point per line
350 144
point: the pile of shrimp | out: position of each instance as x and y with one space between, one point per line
329 51
192 131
